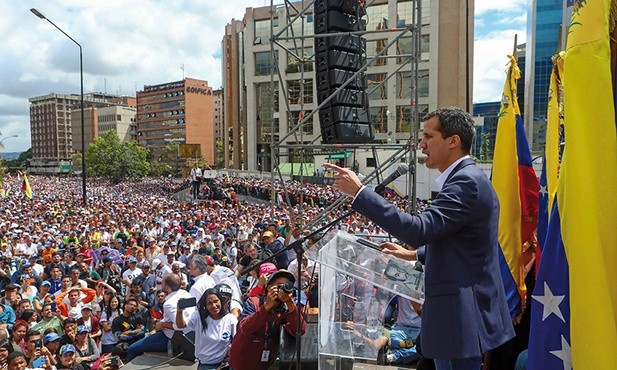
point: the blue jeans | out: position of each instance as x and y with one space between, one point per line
208 366
400 337
521 361
156 342
473 363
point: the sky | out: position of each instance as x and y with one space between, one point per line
129 44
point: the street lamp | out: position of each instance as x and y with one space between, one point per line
83 135
8 137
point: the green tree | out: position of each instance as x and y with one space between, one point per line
115 160
220 154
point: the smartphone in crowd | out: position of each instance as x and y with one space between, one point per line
39 362
187 302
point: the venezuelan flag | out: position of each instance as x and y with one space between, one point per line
574 312
25 187
512 169
552 151
393 190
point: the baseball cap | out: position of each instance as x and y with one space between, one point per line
209 260
156 262
144 264
267 234
87 306
46 283
132 259
82 329
51 337
67 348
267 268
106 259
281 273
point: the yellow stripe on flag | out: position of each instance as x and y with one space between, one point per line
587 191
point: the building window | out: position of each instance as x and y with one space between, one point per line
377 16
263 63
404 83
262 30
379 119
294 91
404 116
296 117
294 64
373 48
375 88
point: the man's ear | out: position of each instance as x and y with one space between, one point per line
454 141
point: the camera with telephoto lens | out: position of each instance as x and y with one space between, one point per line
287 287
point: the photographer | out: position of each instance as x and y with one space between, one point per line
214 328
261 320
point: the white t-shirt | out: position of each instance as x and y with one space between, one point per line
171 306
202 283
130 275
212 345
108 337
160 274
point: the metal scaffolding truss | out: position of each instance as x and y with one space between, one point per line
281 148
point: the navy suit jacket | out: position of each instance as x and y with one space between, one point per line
465 312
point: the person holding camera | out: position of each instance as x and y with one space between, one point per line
261 320
214 328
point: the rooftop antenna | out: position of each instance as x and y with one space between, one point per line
182 68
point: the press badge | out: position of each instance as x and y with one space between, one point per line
265 355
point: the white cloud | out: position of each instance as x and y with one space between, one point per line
490 60
502 6
126 44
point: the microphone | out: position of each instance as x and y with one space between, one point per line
400 171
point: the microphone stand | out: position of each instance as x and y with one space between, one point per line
298 247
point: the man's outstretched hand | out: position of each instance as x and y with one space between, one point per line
398 251
345 180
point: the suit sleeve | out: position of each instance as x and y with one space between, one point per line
451 210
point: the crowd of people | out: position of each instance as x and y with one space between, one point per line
84 285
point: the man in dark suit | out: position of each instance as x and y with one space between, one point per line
465 313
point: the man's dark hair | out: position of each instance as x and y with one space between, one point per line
173 281
68 320
32 333
131 299
121 350
455 121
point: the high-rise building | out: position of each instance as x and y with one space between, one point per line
547 22
120 118
177 112
219 124
262 108
55 125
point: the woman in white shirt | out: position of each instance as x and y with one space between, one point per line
109 313
214 329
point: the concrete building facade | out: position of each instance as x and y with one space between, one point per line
55 126
262 108
177 112
218 115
